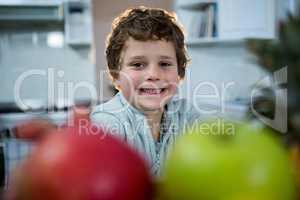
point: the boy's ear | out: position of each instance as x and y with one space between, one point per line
115 82
180 79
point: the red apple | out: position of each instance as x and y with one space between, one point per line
82 163
34 129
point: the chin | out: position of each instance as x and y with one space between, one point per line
152 104
151 107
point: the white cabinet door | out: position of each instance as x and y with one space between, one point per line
246 18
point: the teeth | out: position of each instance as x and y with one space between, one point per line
152 91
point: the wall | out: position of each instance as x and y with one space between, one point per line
23 51
224 63
227 70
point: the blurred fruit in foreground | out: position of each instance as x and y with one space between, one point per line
221 160
82 163
295 156
34 129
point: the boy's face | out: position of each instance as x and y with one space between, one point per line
148 77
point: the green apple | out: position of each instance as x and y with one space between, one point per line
223 160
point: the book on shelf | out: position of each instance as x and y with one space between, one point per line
215 21
191 21
201 22
210 21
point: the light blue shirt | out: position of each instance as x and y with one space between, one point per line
131 125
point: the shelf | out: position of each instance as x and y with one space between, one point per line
195 4
16 13
210 18
79 43
24 3
199 42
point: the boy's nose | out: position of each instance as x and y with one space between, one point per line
153 73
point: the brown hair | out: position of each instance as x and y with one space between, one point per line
144 24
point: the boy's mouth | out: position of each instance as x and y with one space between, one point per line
152 91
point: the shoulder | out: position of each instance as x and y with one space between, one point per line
108 116
112 106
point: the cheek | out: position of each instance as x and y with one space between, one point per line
173 78
129 80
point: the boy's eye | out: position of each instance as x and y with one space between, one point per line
137 65
165 64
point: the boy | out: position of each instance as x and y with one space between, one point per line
146 58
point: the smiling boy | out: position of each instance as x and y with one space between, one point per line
149 78
146 58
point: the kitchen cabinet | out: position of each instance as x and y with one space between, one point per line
226 21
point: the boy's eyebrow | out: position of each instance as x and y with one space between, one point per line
166 57
137 57
143 57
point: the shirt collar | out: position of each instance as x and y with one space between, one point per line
130 107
